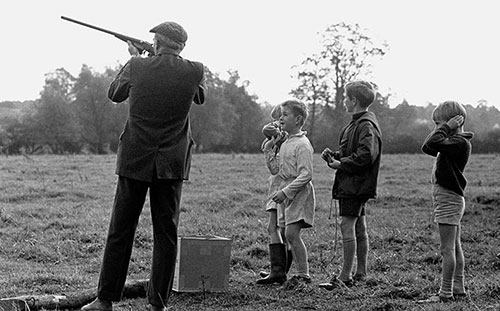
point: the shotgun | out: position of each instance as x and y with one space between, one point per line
139 44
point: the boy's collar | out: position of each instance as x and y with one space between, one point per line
358 109
468 135
300 133
358 114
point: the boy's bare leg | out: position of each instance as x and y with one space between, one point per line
281 231
347 227
362 246
448 235
272 228
299 250
458 277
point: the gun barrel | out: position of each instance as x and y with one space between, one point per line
142 45
90 26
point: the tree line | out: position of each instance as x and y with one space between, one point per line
74 115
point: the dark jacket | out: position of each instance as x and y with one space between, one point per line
157 135
360 149
453 152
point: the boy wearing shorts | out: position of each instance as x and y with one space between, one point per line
294 165
451 146
357 163
279 255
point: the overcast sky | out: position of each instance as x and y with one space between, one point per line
438 49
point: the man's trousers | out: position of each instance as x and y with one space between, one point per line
165 196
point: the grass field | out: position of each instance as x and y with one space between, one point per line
54 213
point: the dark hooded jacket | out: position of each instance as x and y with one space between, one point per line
360 149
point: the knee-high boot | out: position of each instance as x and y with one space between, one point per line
289 260
277 255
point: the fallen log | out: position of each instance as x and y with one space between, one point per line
132 289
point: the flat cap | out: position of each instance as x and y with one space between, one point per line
171 30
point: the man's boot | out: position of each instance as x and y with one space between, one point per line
277 255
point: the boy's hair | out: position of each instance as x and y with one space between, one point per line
297 107
447 110
276 112
363 91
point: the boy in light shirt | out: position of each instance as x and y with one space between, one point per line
280 255
294 164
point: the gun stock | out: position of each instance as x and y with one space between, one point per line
139 44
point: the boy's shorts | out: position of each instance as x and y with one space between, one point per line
273 183
448 206
280 211
281 216
352 207
300 209
271 205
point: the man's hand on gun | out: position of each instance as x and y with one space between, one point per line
132 49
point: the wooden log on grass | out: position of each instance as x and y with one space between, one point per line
132 289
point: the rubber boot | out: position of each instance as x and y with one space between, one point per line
289 260
277 255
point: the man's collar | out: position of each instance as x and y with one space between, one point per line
165 50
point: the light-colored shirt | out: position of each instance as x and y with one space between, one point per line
294 163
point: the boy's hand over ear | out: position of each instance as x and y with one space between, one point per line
455 122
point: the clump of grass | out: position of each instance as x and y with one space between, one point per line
257 252
6 219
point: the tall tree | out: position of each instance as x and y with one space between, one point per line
118 114
313 88
348 50
94 109
230 120
212 123
54 120
249 115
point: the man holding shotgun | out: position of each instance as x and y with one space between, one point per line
154 154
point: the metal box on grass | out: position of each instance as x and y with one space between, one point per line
202 264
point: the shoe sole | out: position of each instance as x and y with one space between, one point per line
270 282
327 286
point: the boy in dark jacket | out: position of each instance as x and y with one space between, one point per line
451 146
357 163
